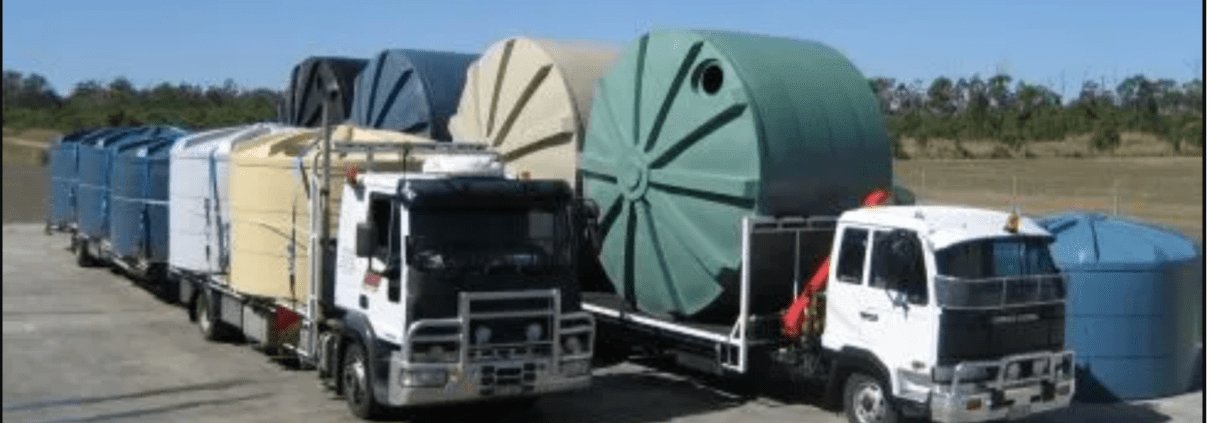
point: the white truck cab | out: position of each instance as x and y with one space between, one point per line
924 293
453 285
911 297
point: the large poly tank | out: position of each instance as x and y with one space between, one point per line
139 195
96 158
692 130
270 211
530 100
413 91
199 210
64 179
1135 294
306 93
285 108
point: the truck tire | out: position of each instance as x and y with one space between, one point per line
357 383
167 287
205 322
84 258
867 400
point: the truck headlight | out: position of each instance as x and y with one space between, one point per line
1065 368
424 377
1040 366
436 353
533 332
572 345
575 368
427 352
1013 371
483 335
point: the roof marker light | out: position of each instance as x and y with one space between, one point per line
1014 222
351 175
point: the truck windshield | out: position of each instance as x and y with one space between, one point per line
488 240
998 272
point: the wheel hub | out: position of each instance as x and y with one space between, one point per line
203 318
870 407
354 375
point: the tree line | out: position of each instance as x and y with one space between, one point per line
1013 114
30 102
1020 113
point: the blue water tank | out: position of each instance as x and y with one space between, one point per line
93 181
139 181
1134 305
64 168
414 91
96 159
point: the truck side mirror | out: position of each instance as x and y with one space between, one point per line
906 254
905 247
587 214
589 208
366 239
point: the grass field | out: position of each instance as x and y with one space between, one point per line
1163 190
1134 144
25 147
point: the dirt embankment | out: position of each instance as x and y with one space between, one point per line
26 192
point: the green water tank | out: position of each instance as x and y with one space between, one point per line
692 130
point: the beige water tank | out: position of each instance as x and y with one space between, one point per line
530 99
270 213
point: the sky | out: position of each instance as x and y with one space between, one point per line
1057 43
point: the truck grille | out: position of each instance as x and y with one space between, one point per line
520 326
521 352
508 380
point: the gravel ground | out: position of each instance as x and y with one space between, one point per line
89 345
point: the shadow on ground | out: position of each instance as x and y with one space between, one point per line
657 391
1102 413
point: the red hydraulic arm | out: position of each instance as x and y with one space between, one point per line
795 317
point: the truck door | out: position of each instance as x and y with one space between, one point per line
845 308
899 325
380 296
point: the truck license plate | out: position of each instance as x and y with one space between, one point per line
1018 411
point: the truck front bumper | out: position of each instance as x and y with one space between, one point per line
1002 399
481 381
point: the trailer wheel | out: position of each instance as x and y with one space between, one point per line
205 322
867 400
358 383
84 258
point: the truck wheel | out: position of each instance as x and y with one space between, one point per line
357 383
867 400
169 288
83 257
205 322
